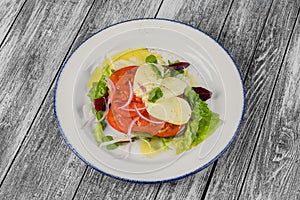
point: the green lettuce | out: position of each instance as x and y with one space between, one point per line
98 132
156 70
155 94
99 88
151 59
202 124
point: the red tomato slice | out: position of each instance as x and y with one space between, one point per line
130 109
168 130
117 75
112 121
120 119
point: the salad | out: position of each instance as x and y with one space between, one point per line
149 100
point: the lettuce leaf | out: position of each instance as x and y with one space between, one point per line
202 124
155 94
99 88
151 59
98 132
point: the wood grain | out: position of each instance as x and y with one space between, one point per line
274 171
232 166
45 168
207 15
107 13
263 162
242 30
33 167
30 58
8 12
191 188
95 185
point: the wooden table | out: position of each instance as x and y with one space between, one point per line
263 36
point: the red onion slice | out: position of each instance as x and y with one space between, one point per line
145 118
130 96
130 128
129 135
90 120
132 110
125 139
142 87
111 87
104 114
181 130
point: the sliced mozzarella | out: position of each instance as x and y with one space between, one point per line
145 80
172 87
174 110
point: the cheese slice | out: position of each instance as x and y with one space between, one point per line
172 87
174 110
146 79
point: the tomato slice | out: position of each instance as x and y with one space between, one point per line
117 75
130 109
122 78
112 121
120 117
168 130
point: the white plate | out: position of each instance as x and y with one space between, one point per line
212 66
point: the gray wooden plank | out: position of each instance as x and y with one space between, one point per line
8 12
274 172
232 166
95 185
113 12
59 181
208 16
45 167
191 188
242 29
30 58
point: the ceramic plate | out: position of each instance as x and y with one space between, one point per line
211 66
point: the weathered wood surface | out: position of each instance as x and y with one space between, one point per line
95 185
44 168
263 161
8 12
43 143
30 57
274 171
232 166
209 16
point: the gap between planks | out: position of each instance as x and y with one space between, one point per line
85 171
257 42
81 179
269 100
53 82
158 8
215 163
48 91
2 42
